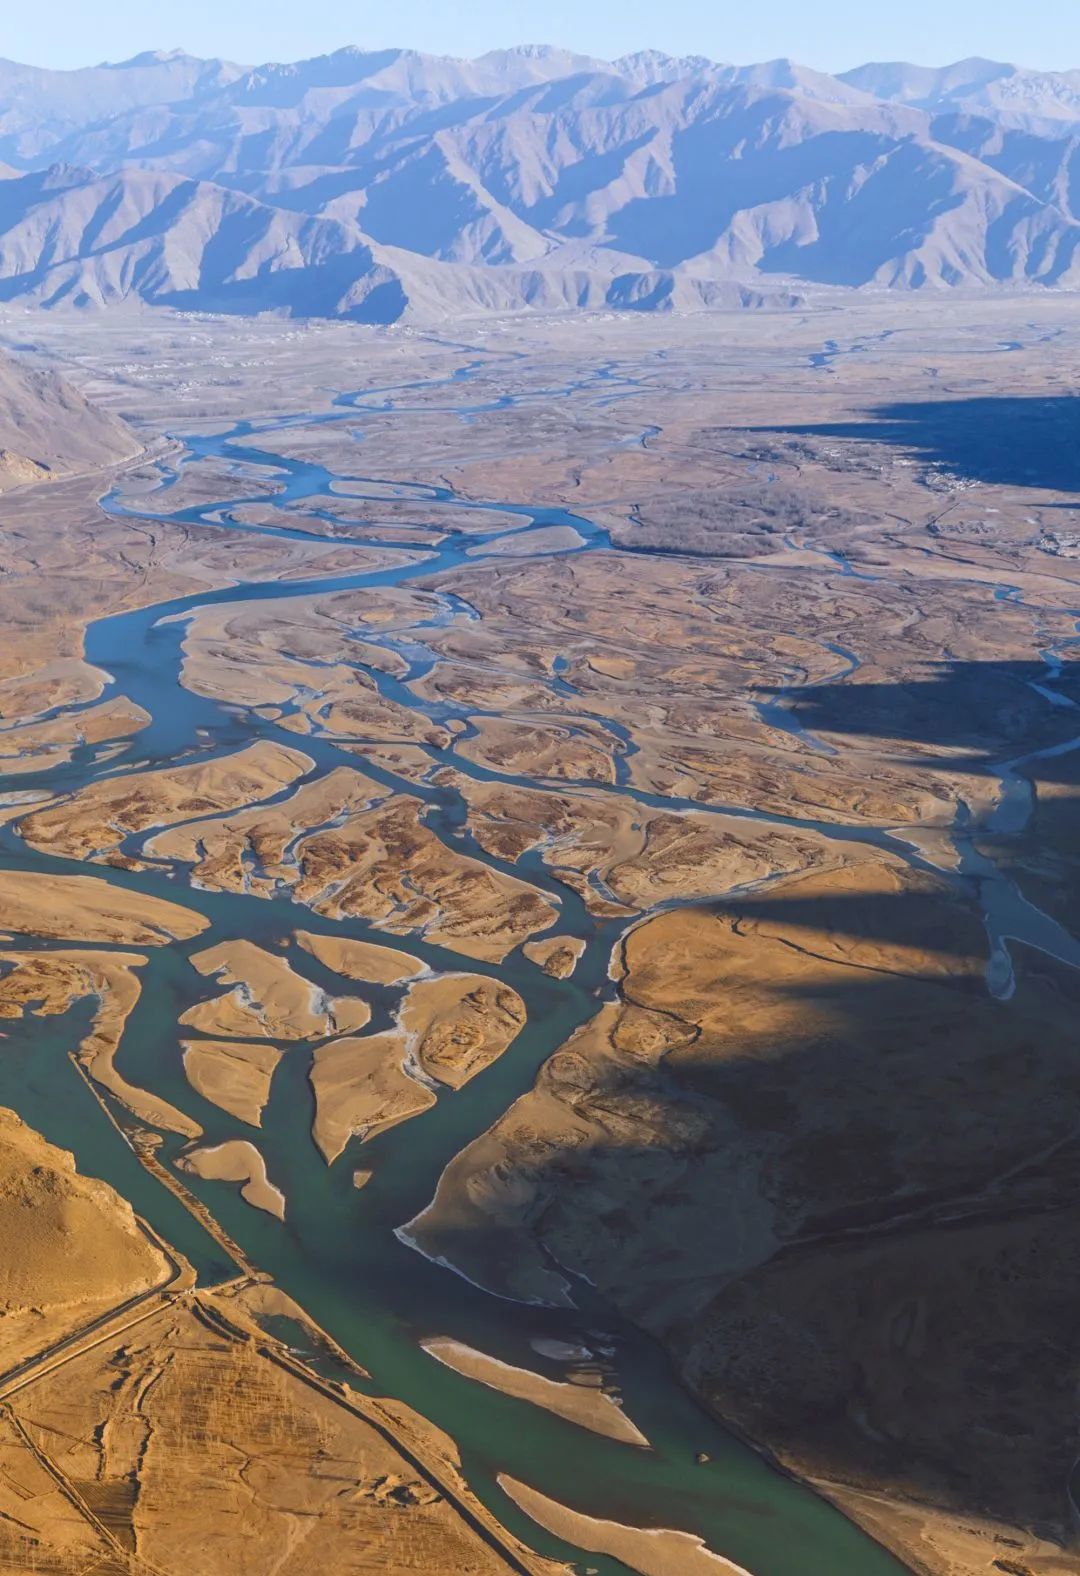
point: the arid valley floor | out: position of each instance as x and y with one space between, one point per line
539 947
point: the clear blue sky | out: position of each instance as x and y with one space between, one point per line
825 33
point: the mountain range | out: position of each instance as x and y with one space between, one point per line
381 185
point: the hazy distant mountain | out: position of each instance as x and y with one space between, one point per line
38 108
1038 100
652 65
378 184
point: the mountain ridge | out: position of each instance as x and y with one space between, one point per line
48 430
388 184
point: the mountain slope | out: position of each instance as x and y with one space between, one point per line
48 430
381 184
39 107
69 235
1035 100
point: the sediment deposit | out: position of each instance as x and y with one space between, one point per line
652 896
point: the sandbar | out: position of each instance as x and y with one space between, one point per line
458 1024
361 1088
361 960
50 983
268 999
87 908
237 1161
96 820
658 1551
232 1075
585 1405
558 956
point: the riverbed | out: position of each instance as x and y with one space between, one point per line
337 1251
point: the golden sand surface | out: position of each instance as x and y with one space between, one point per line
413 763
84 908
641 856
362 1087
49 983
356 710
450 1027
237 1160
458 1024
584 1404
518 682
343 847
268 999
361 960
253 850
557 955
232 1075
653 1551
549 539
687 686
145 1424
395 524
304 654
36 746
61 682
580 752
93 822
192 1447
387 865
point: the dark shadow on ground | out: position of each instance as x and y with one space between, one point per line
1004 440
976 717
914 1149
836 1176
974 713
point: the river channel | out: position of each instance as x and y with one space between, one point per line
337 1252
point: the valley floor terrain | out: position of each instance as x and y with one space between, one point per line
538 946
